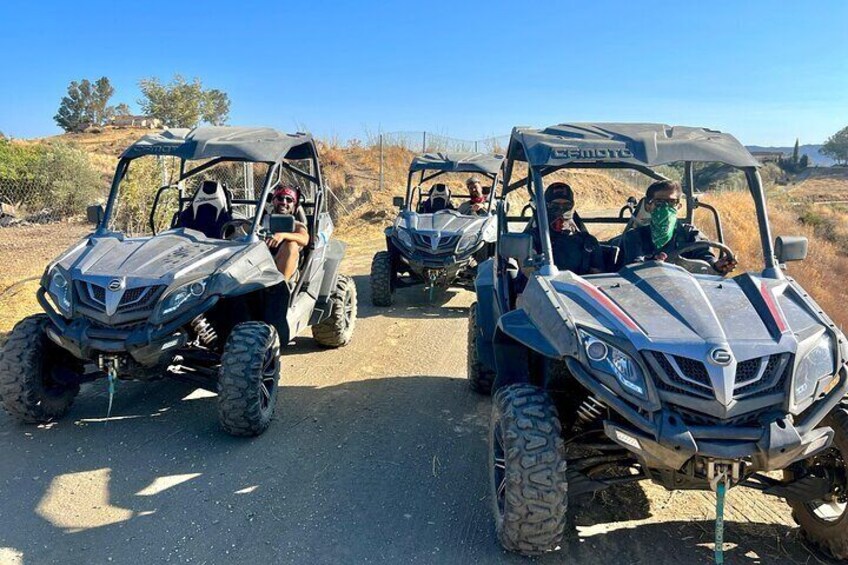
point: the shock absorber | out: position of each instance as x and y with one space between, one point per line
590 410
204 330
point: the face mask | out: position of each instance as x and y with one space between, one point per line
559 215
663 222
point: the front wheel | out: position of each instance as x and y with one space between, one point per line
527 470
382 279
337 329
37 378
247 379
824 522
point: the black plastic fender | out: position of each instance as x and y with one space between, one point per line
332 261
487 315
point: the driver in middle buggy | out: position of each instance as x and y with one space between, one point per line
286 247
662 233
476 203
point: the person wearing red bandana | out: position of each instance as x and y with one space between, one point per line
476 203
286 247
573 248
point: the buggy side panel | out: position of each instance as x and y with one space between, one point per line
333 255
487 313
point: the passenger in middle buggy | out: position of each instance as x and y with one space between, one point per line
286 247
664 233
573 248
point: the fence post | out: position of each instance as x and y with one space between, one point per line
381 162
424 143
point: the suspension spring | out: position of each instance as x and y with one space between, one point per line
591 410
204 330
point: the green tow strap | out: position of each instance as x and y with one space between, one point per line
719 523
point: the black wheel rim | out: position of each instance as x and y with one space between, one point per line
499 467
348 309
268 384
832 508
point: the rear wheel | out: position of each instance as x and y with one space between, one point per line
34 374
337 329
824 522
382 279
527 470
248 377
480 378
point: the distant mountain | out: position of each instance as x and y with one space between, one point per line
811 151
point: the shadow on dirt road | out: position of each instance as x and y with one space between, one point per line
387 470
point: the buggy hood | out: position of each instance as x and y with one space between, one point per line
446 222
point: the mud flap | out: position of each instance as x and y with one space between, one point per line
275 310
332 261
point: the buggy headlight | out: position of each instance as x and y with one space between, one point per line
403 236
185 295
467 241
611 360
817 364
60 291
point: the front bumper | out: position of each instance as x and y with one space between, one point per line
145 343
664 441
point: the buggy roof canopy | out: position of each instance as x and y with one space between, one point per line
259 144
635 144
458 162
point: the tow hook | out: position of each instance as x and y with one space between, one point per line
109 365
431 283
721 475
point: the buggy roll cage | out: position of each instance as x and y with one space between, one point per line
630 146
437 164
224 145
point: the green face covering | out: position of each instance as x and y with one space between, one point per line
663 222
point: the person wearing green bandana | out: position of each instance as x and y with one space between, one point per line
665 232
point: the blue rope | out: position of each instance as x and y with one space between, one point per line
719 523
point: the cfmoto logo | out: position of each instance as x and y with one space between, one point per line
116 285
721 356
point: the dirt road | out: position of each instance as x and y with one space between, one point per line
378 454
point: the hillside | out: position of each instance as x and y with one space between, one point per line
812 151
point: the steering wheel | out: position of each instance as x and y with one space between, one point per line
236 228
699 266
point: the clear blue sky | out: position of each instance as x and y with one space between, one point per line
766 71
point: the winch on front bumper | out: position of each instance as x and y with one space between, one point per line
145 343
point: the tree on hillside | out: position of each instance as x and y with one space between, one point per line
796 152
183 104
122 110
836 146
86 104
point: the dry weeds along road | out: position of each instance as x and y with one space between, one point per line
377 454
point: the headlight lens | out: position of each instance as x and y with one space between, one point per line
186 294
818 363
60 290
467 241
404 237
611 360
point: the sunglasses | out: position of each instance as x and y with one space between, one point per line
673 203
285 199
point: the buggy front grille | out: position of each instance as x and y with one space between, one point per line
136 299
444 245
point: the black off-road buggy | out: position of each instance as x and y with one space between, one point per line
201 301
660 371
431 242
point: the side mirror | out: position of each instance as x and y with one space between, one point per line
515 246
790 248
281 223
94 214
397 201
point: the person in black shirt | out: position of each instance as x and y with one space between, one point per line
573 248
665 233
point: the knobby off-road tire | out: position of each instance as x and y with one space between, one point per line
337 329
248 379
28 360
829 536
480 378
382 277
527 470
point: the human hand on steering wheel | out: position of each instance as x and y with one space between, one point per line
725 263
